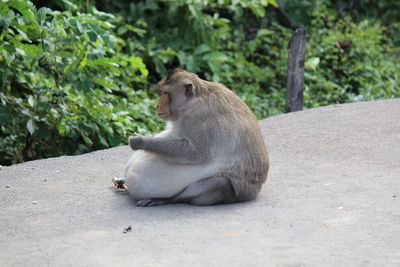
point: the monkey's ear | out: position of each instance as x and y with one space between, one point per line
189 89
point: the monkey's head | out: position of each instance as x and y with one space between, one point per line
176 90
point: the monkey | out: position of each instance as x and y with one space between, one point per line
211 151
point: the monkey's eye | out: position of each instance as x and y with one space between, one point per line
158 91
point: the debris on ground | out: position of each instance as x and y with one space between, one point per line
119 184
128 229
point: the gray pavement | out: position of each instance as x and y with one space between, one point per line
332 198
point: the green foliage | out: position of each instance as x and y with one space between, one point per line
349 61
66 87
77 77
232 42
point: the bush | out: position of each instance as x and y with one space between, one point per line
66 87
348 61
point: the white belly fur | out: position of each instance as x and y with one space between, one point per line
148 176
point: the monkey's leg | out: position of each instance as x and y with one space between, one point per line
151 202
208 191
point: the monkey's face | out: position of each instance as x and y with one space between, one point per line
163 106
173 98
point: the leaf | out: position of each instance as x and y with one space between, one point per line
137 63
30 50
160 68
26 8
104 83
100 13
191 64
195 11
109 63
86 139
201 49
103 141
264 32
31 126
42 12
312 63
70 5
92 36
62 131
25 112
216 71
84 86
259 11
3 10
82 62
273 3
122 30
114 140
107 40
215 56
20 51
31 101
182 57
23 35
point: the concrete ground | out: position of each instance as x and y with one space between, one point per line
332 198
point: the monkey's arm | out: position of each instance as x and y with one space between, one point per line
179 150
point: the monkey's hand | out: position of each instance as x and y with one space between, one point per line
135 141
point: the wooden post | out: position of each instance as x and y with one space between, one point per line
295 79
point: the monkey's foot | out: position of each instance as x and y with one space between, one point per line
151 202
119 184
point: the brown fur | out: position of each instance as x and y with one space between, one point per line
213 125
228 122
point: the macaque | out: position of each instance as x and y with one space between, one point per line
211 152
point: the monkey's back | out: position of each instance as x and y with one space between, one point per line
237 130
